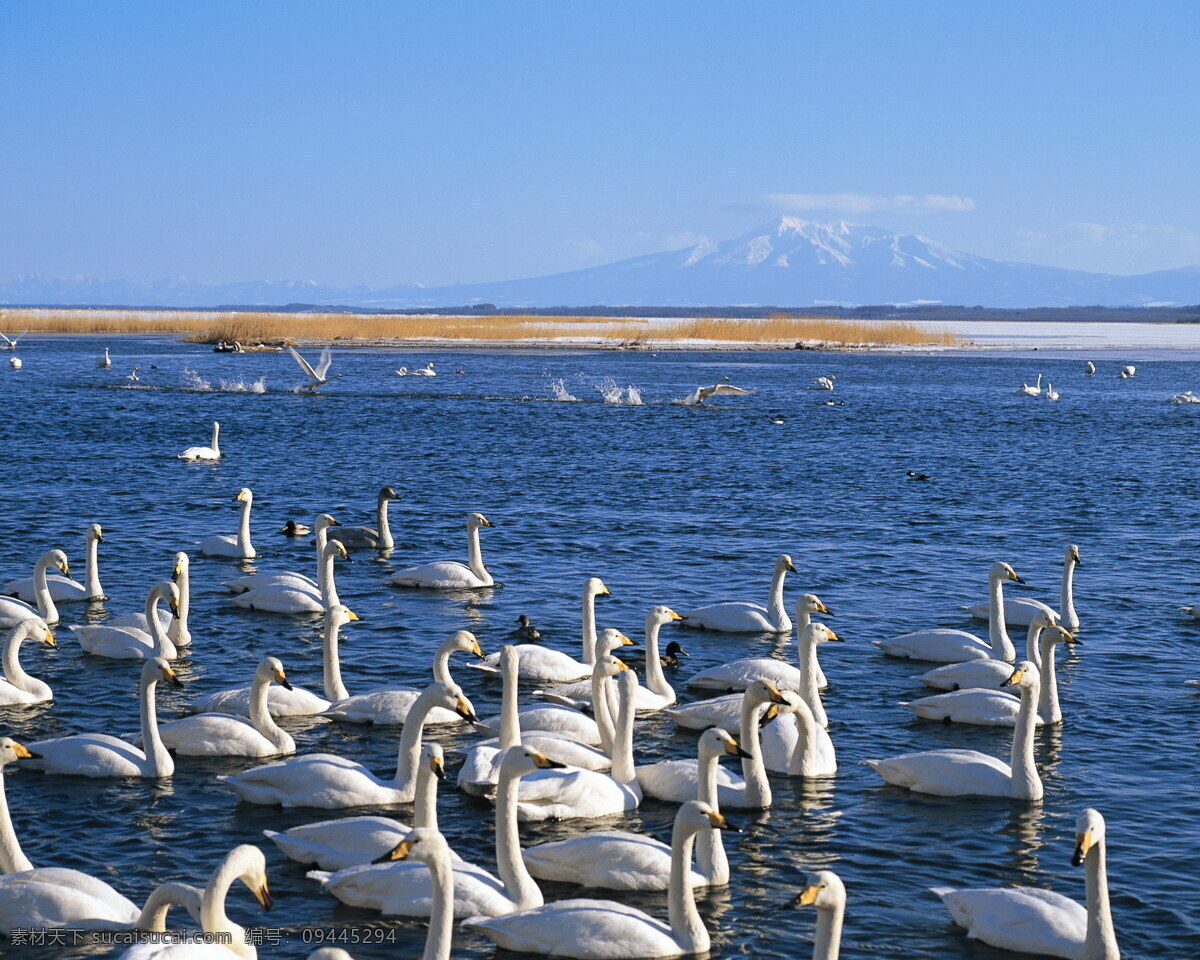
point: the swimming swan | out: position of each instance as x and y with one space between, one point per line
100 755
176 625
253 581
425 371
291 597
372 538
1019 611
955 646
228 545
962 773
826 892
104 361
605 930
211 452
450 574
18 687
1025 390
13 611
988 674
62 588
795 744
331 782
737 617
128 642
1030 920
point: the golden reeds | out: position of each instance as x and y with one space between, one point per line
272 327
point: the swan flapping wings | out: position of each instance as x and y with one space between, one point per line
12 344
720 388
317 377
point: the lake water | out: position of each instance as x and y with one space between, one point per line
668 504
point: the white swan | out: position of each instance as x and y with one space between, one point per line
62 588
961 773
211 452
621 860
1019 611
105 361
10 343
605 930
824 383
391 705
128 642
13 611
176 625
290 597
372 538
236 545
331 782
300 581
18 687
281 702
396 887
737 617
794 743
320 376
955 646
1089 368
1128 372
1025 390
988 674
450 574
1051 393
223 735
349 841
15 363
430 848
402 372
826 892
1030 920
425 371
676 780
719 389
100 755
244 863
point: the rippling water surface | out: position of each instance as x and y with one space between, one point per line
668 504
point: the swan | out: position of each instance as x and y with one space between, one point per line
18 687
15 363
211 452
1031 920
738 674
332 782
229 545
372 538
392 705
105 361
656 694
621 860
128 642
402 372
13 611
133 374
1025 390
826 892
998 708
425 371
244 863
675 780
988 674
62 588
1127 372
824 383
1019 611
100 755
10 343
294 702
320 376
175 625
1051 393
404 889
1089 368
223 735
955 646
794 743
738 617
349 841
719 389
450 574
606 930
300 581
288 596
960 773
429 847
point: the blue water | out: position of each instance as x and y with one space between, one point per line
668 504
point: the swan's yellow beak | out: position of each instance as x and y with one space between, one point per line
463 708
169 675
821 608
1083 843
23 753
604 591
788 565
1015 679
64 567
399 852
674 615
769 714
475 648
263 896
1012 575
48 638
282 680
438 767
543 762
720 823
625 641
621 665
807 896
734 749
485 522
351 615
829 634
774 695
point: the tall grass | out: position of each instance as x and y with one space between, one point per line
270 327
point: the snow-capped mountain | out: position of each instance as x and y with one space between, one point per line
789 263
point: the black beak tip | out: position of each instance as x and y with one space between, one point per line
286 684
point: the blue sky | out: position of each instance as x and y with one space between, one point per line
360 142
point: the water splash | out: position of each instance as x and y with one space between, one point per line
193 381
630 396
559 391
241 386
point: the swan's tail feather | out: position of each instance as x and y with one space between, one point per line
321 876
271 834
485 668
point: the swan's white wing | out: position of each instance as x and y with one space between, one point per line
6 340
404 889
947 773
337 844
304 365
323 365
728 389
1023 919
597 929
613 859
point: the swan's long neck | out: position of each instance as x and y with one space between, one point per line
12 857
409 754
776 610
1101 942
261 719
441 916
1002 646
806 650
41 592
475 554
1033 648
212 904
656 681
244 545
325 579
1048 705
163 647
161 764
381 520
510 723
91 578
519 886
425 801
1026 784
622 752
1066 596
179 633
321 539
153 918
601 710
216 433
589 627
441 662
12 659
827 944
754 771
804 754
710 848
331 664
687 928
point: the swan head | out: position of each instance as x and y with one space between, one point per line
422 843
1002 571
660 615
157 669
715 742
695 815
1025 676
335 548
167 590
763 691
1089 832
1058 634
594 587
325 521
824 890
340 615
181 566
520 760
784 562
1072 554
271 671
810 603
387 493
11 752
465 641
244 496
607 666
58 559
432 756
477 520
1041 620
34 628
451 697
609 639
254 872
793 704
818 633
95 533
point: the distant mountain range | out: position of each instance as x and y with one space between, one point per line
790 263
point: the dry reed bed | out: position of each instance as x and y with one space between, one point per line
254 327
